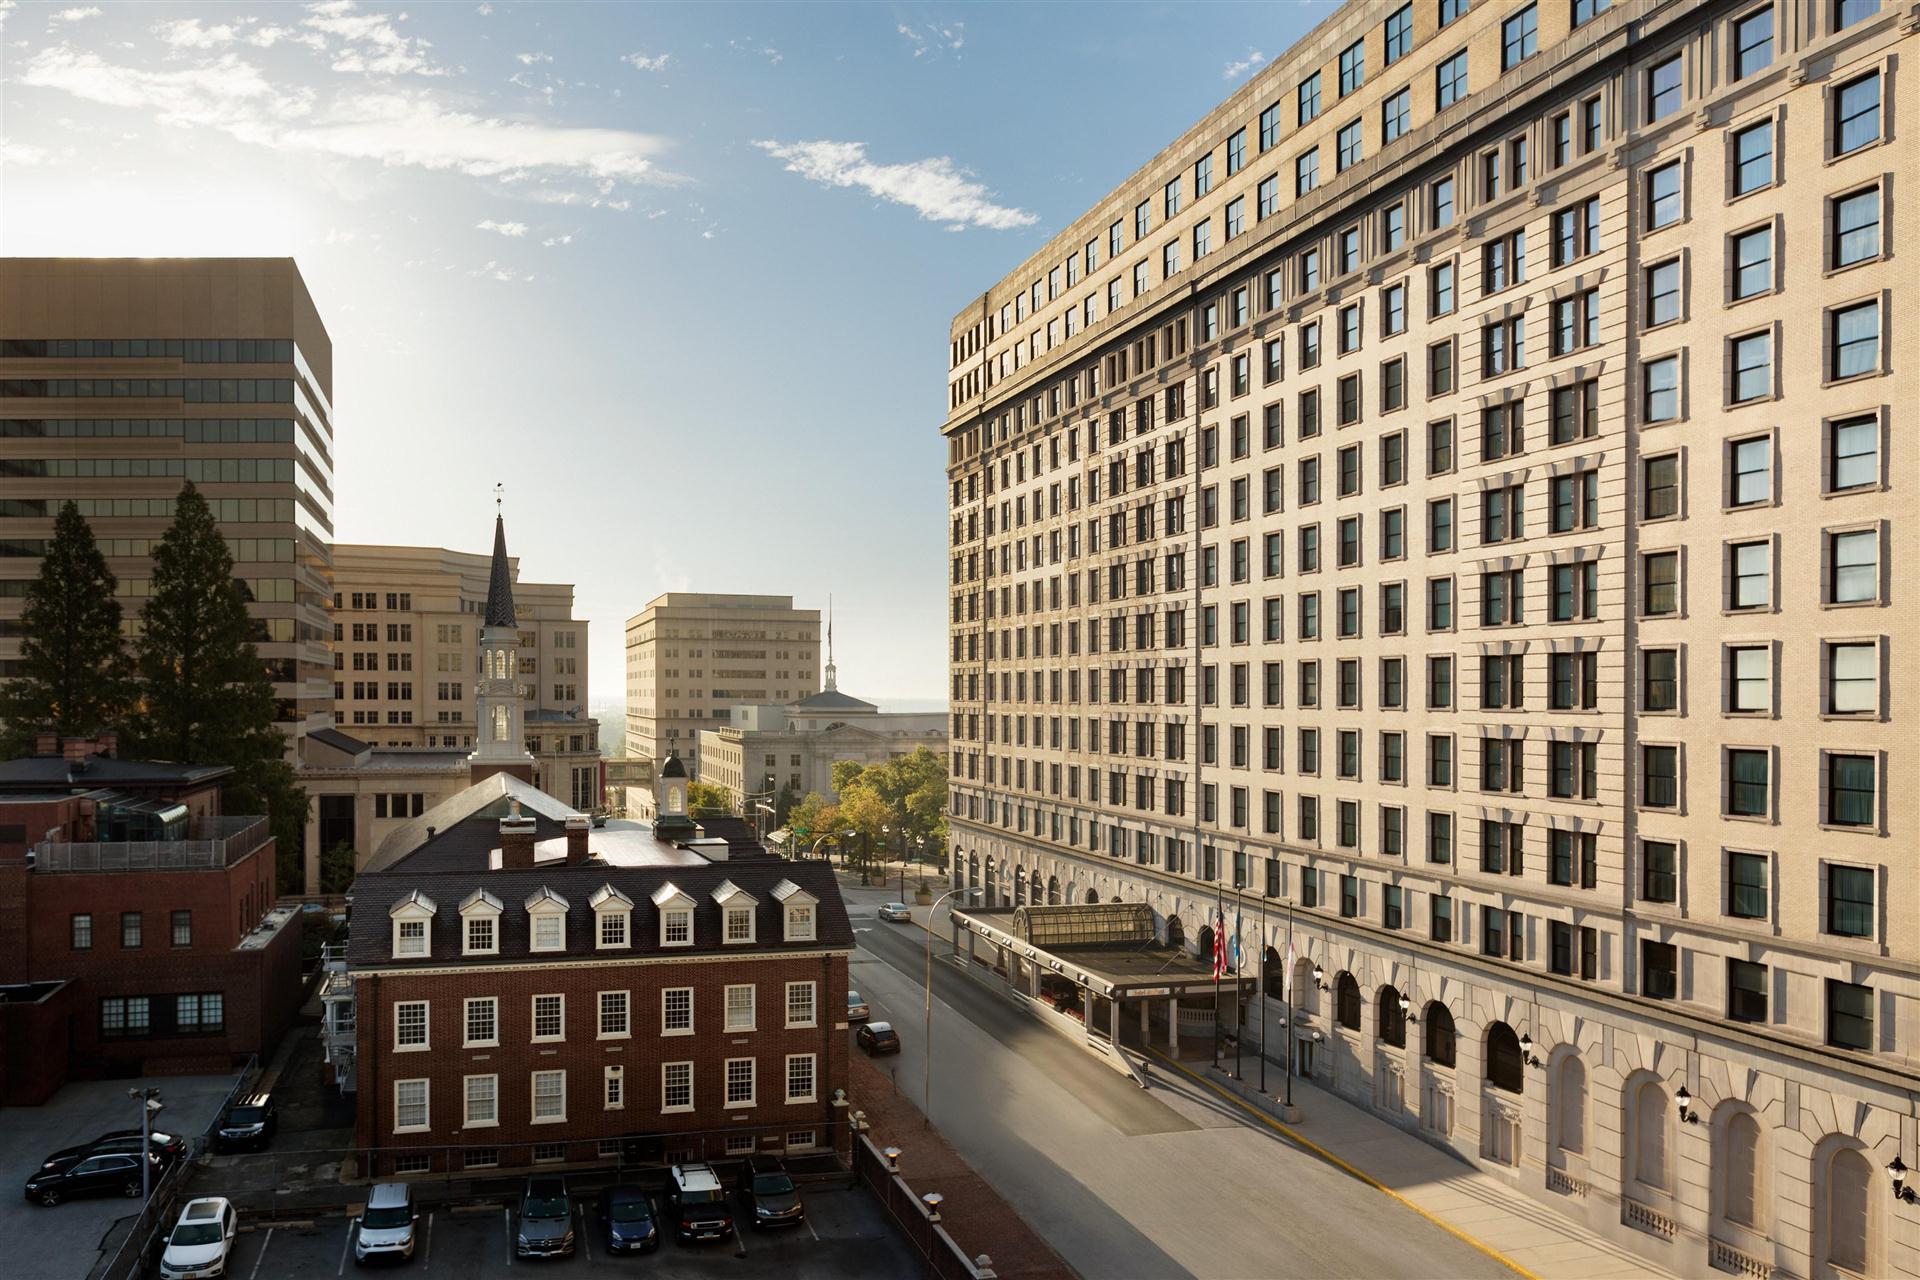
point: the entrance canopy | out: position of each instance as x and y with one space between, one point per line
1108 947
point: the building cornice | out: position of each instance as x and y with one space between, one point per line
609 962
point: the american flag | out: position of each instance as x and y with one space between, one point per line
1219 944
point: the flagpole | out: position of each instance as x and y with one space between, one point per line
1239 1016
1219 958
1289 994
1263 991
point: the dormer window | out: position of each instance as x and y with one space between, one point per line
547 915
737 908
480 924
612 918
676 916
739 924
798 911
411 917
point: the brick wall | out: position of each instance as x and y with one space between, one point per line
584 1056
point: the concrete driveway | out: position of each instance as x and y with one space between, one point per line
65 1240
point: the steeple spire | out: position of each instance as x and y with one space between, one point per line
500 585
833 674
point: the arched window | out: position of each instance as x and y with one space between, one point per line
1205 949
1739 1164
1273 976
992 896
1019 886
1570 1105
1053 891
1505 1068
973 870
1036 890
1848 1180
1093 895
1346 1001
1650 1135
1389 1023
1176 932
1439 1023
500 724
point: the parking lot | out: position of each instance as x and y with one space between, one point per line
845 1234
66 1239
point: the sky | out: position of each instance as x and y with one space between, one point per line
679 276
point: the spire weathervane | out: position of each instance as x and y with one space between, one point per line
499 492
833 674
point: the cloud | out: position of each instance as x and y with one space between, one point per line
1240 66
936 188
771 54
484 10
75 14
187 33
551 241
506 275
369 41
528 59
933 37
641 62
515 229
393 127
6 7
20 153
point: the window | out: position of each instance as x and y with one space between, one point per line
549 1017
1853 566
410 1025
1853 453
1307 104
482 1102
1750 366
482 1022
1663 292
800 1004
1663 89
676 1011
1856 228
1585 11
409 1106
1752 253
1853 678
1236 216
1664 202
800 922
613 1015
1396 115
1519 38
549 1097
1850 911
676 1086
482 934
613 928
1236 156
1748 795
740 1082
1753 158
1752 43
1353 67
1855 341
1856 114
1660 784
1659 870
1450 81
1850 791
1306 172
81 932
1350 147
1576 231
1659 685
1576 321
130 929
1440 203
740 1007
613 1088
1660 390
1660 574
1750 574
1747 886
1749 679
800 1073
1659 970
1849 1015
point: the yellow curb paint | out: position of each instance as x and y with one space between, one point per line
1342 1165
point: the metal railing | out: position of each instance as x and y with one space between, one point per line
144 1233
918 1222
215 843
241 1084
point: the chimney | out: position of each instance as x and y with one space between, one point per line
516 840
578 825
76 750
46 743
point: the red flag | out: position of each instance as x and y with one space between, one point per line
1219 944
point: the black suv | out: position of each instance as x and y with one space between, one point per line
103 1174
169 1147
698 1204
770 1196
248 1124
546 1220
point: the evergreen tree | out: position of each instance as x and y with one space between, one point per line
207 698
75 676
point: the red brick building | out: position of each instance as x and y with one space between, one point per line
138 927
529 988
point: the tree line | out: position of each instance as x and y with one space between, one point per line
182 683
903 799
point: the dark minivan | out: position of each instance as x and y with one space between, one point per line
248 1125
626 1215
769 1193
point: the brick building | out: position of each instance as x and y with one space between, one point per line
138 927
528 988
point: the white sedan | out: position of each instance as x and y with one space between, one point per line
201 1241
896 911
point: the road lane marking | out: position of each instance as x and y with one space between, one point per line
263 1254
586 1246
345 1245
426 1250
810 1230
1342 1165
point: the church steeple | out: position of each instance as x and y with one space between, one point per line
833 672
500 586
499 717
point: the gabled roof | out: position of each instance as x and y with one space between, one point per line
545 899
492 792
607 893
500 584
787 891
833 700
669 892
481 900
726 893
412 900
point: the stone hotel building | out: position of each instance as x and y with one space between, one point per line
1449 497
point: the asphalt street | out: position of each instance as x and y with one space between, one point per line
1126 1182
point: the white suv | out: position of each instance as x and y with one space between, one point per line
201 1240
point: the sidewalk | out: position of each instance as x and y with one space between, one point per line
1528 1236
975 1214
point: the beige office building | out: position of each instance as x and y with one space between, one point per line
123 378
1450 496
406 657
693 657
765 750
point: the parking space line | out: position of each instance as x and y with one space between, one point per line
739 1240
263 1254
506 1216
810 1230
586 1246
426 1249
345 1245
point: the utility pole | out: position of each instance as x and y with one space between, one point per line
149 1102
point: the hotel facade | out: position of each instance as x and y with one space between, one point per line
1444 504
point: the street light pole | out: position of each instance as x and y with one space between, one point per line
926 1088
149 1100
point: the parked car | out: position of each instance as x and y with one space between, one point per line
857 1010
878 1038
106 1173
168 1146
201 1240
546 1220
896 911
626 1215
248 1124
698 1204
385 1228
769 1193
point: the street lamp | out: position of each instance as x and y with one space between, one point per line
1897 1172
926 1087
150 1106
1526 1054
1683 1102
1319 978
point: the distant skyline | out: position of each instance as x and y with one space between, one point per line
679 276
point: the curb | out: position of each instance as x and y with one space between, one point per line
1315 1148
